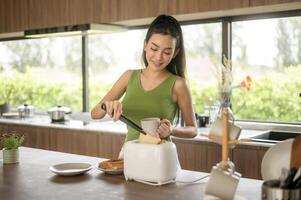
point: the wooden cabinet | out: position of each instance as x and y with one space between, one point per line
35 137
73 141
81 142
269 2
48 13
18 15
105 10
193 155
202 155
196 6
197 155
3 128
13 15
247 160
109 145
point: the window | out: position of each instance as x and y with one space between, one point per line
44 72
47 72
272 57
203 48
110 55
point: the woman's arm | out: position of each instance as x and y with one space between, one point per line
112 97
182 95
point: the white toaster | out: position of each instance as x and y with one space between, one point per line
153 164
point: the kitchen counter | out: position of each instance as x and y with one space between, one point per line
104 138
31 179
108 126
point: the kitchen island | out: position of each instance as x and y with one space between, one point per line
32 179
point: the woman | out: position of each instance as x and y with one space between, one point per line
158 90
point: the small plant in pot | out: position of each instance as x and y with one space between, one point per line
10 144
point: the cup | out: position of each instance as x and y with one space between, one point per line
222 184
150 125
216 129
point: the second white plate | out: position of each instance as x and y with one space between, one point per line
70 169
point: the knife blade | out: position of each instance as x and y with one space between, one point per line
127 121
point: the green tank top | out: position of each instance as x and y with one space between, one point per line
138 103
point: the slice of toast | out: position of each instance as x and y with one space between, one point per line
149 139
112 164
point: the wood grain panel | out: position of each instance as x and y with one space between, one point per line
197 155
28 132
105 10
117 143
81 12
195 6
73 141
85 143
214 155
247 160
61 140
269 2
193 155
13 15
48 13
42 137
109 145
186 154
137 9
3 128
105 145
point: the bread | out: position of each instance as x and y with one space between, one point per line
114 164
149 139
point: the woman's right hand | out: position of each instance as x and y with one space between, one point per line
113 109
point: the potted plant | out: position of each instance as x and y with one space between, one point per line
10 144
7 89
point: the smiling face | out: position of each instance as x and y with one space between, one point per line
160 50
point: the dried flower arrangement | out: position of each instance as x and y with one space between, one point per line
225 82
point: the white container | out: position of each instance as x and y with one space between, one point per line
154 164
10 156
272 191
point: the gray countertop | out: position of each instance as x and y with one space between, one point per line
109 126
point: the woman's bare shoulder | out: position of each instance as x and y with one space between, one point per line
126 75
180 83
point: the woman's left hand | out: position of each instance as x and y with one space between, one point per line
165 128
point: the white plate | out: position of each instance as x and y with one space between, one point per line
276 158
70 169
110 171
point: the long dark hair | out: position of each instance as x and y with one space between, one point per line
168 25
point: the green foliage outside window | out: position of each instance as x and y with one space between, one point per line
273 98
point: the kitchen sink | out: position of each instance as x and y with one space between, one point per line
274 136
